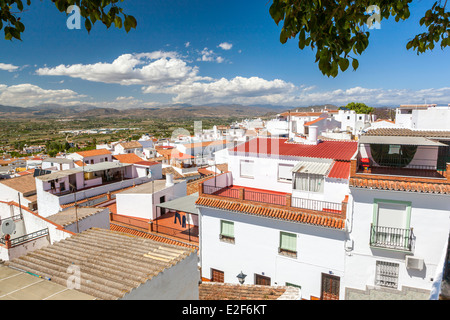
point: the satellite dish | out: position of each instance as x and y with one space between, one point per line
8 226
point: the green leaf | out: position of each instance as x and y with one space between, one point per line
355 64
87 25
343 64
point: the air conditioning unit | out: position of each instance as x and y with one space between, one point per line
414 263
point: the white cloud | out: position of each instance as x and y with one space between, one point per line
210 55
225 45
8 67
27 95
187 44
130 69
169 73
237 90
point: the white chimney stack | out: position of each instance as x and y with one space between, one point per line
169 179
312 136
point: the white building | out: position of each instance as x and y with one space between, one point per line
91 156
128 147
423 117
68 186
23 231
141 202
354 122
53 164
399 220
279 215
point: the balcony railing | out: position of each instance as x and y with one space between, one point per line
425 171
25 238
273 198
391 238
318 205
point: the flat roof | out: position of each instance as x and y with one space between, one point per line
184 204
149 187
19 285
88 168
58 160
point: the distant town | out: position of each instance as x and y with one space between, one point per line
329 203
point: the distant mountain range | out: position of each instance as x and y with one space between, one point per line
161 112
165 111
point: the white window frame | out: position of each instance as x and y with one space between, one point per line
281 179
250 163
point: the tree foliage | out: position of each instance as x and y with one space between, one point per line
338 29
105 11
359 107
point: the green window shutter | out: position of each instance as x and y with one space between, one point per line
288 241
227 228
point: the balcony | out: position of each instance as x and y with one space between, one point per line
418 171
221 188
391 238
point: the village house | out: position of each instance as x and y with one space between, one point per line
91 156
279 214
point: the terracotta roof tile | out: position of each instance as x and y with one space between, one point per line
337 150
399 185
94 152
340 170
128 158
148 235
274 211
131 145
408 132
227 291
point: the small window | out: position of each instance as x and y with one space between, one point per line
394 149
284 172
288 244
246 168
387 274
227 230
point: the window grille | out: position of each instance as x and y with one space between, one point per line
387 274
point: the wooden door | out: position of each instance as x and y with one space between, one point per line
330 287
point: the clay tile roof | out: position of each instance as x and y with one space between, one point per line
131 145
24 184
340 170
275 212
337 150
128 158
403 132
148 235
115 263
94 152
227 291
399 185
313 121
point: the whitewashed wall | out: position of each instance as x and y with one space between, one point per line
255 251
179 282
430 219
143 205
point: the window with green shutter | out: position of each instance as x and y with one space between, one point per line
288 243
227 230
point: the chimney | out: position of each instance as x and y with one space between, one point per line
312 135
169 179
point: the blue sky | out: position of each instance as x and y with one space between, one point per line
202 52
